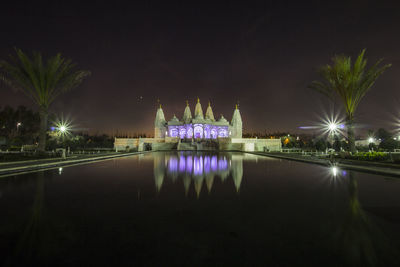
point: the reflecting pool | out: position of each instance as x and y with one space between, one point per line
196 209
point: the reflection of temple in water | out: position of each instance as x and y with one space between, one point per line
199 168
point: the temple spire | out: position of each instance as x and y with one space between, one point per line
209 112
159 123
187 114
237 125
198 111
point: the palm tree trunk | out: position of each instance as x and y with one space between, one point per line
43 129
350 135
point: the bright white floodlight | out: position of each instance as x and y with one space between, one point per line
332 127
63 128
370 140
334 171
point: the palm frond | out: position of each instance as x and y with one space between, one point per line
350 82
42 81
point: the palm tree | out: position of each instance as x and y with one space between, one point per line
41 81
350 82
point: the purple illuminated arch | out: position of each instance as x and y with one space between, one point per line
189 132
173 131
214 133
198 131
222 132
207 129
182 132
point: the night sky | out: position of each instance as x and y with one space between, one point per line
263 55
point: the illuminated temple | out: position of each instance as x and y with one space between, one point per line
198 127
198 132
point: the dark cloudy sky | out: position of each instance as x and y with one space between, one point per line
262 54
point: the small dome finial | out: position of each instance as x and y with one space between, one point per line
198 100
209 103
187 103
158 102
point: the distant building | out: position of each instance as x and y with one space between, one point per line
366 142
201 132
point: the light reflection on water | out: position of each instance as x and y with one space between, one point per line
198 167
61 222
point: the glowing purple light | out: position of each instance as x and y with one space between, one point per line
214 163
207 164
222 131
214 133
198 131
182 164
173 132
173 164
189 164
198 166
189 132
222 164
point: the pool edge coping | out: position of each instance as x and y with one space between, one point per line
51 165
361 168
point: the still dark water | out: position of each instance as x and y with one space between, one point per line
199 209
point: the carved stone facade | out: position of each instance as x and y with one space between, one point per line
199 127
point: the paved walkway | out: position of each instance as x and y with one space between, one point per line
390 169
17 167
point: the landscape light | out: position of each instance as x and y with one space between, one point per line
63 127
334 171
332 127
370 140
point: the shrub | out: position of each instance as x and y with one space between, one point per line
371 156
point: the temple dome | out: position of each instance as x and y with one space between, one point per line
209 113
198 111
174 120
222 119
